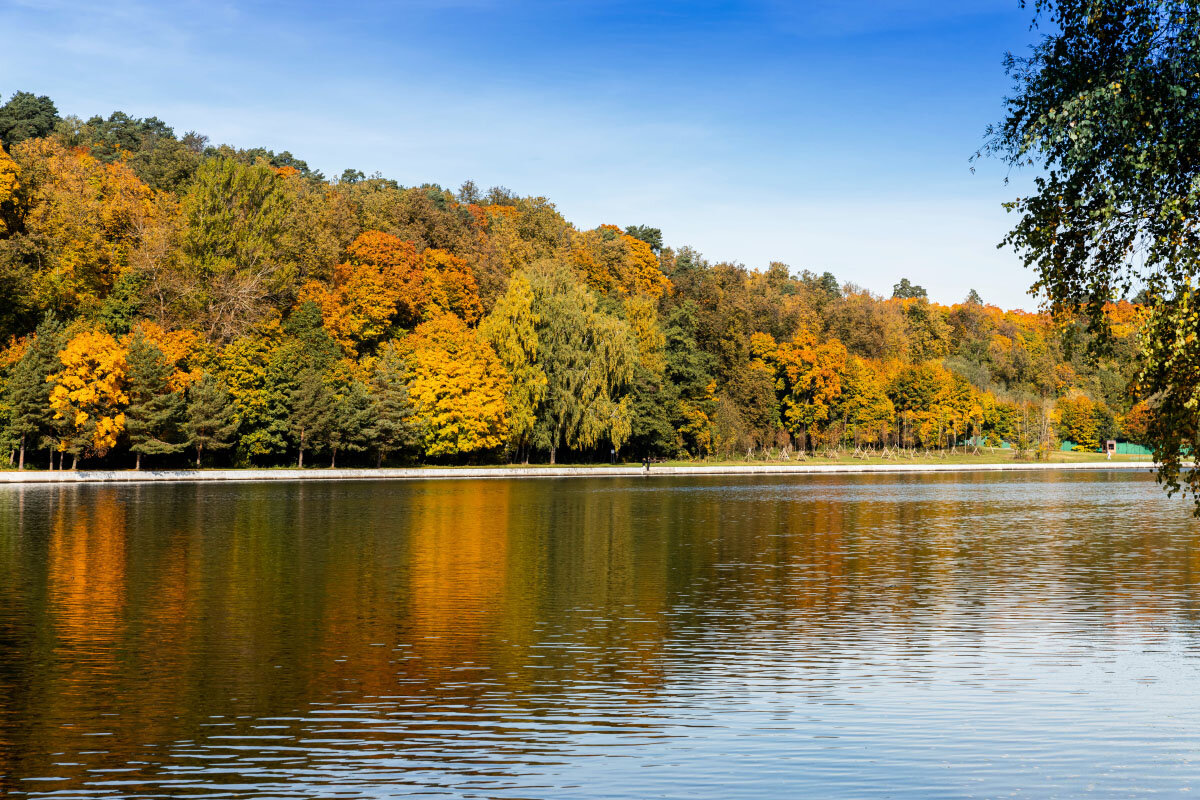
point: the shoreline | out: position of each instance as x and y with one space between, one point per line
16 478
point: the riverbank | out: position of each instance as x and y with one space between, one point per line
624 470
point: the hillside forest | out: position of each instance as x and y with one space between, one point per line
166 301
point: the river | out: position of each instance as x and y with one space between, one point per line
840 636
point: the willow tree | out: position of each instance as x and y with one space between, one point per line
588 357
511 329
1107 108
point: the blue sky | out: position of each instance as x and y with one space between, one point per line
827 135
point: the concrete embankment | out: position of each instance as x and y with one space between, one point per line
443 473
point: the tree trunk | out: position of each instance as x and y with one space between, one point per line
333 459
21 458
552 449
74 461
379 460
137 464
199 449
300 461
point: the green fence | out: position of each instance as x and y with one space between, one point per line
1123 448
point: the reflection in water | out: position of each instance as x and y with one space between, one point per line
923 636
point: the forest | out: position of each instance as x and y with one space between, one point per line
167 301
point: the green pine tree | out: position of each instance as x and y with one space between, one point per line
350 425
393 426
211 421
312 412
30 419
153 416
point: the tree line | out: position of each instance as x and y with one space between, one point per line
168 300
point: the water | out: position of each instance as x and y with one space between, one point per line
1028 635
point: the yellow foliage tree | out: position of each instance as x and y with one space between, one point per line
613 261
9 184
89 393
1075 415
91 217
458 387
809 380
449 286
511 330
183 348
642 315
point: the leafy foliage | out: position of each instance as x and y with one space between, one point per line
89 393
458 388
1107 106
298 316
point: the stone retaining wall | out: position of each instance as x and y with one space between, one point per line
436 473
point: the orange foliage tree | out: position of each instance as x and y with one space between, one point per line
449 286
386 282
382 280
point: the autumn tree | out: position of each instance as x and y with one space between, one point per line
864 406
259 381
458 388
381 284
928 334
587 357
10 184
613 261
84 221
512 331
88 393
1077 418
450 286
155 409
809 382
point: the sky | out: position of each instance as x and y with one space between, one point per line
829 135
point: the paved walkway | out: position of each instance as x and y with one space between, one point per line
444 473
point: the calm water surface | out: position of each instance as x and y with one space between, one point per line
1031 635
